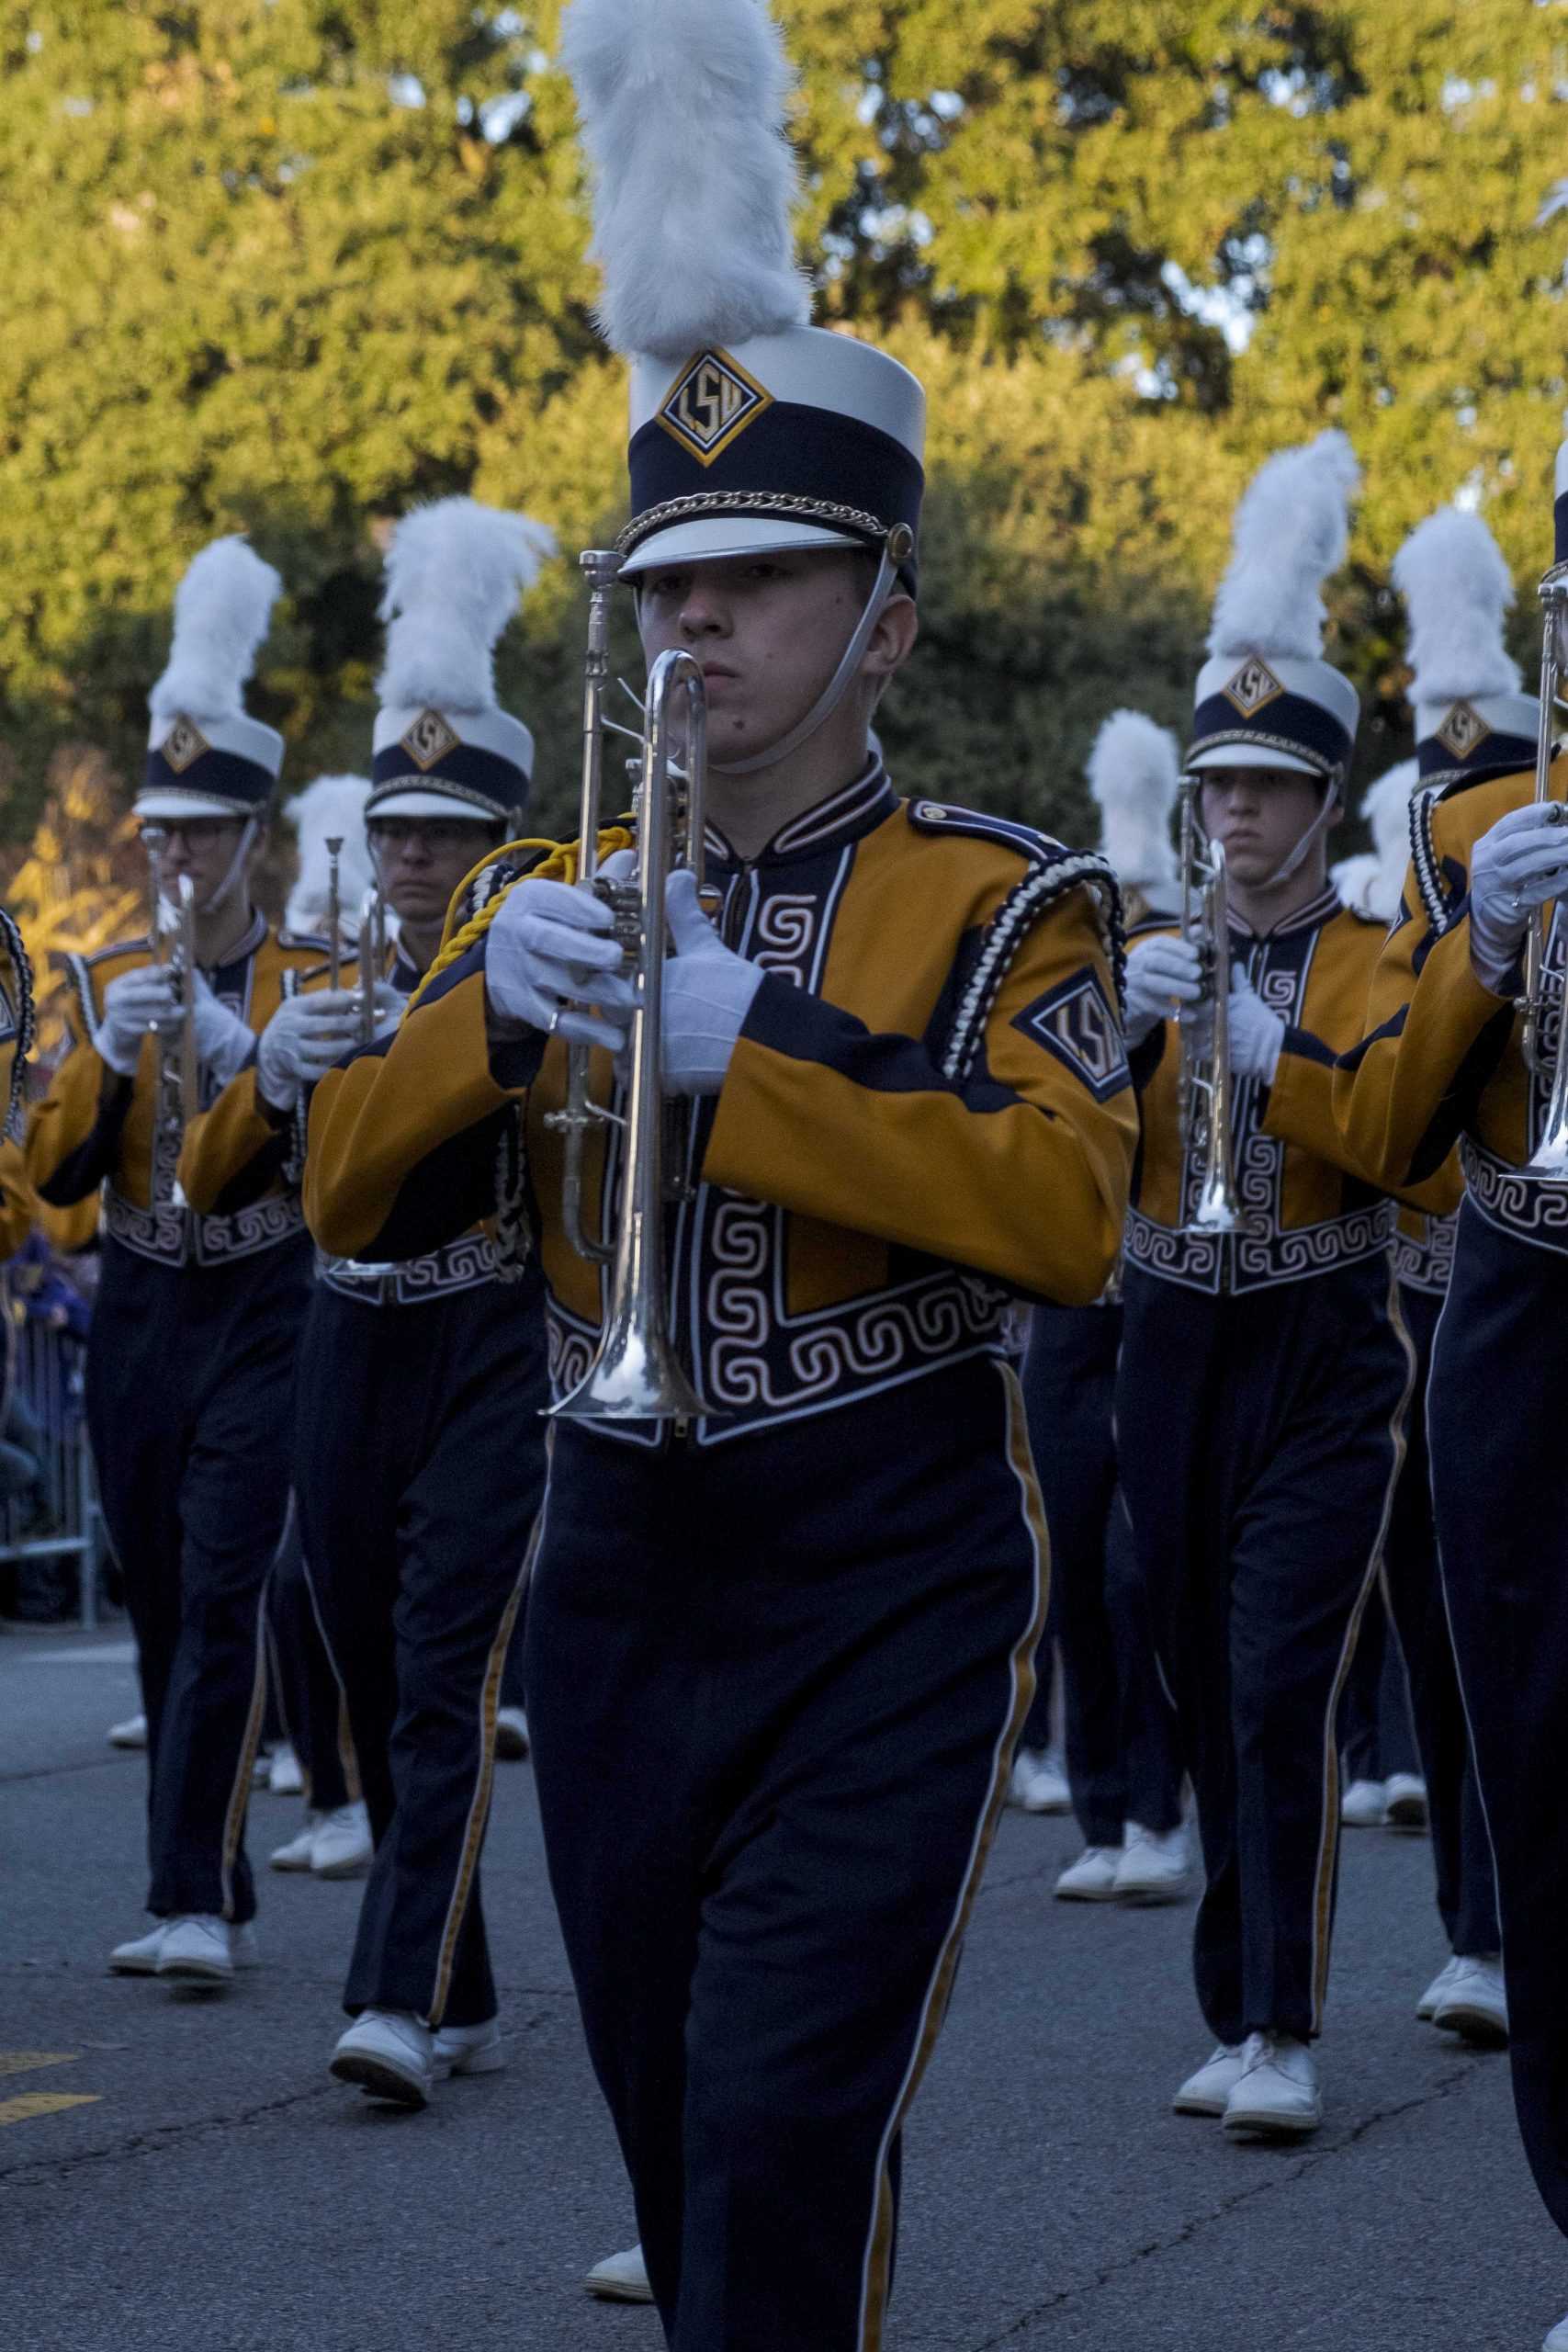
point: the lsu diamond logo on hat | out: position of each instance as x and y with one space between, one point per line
429 740
183 745
1463 730
1253 687
1074 1020
713 400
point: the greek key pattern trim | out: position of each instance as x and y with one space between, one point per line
1427 1264
177 1237
1227 1264
464 1264
1515 1202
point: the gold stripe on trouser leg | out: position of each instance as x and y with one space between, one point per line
239 1794
877 2262
1328 1842
473 1836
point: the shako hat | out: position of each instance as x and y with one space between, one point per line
1266 697
443 747
752 430
206 757
1135 776
1470 718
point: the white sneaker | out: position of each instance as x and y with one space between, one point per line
1558 2339
1427 2006
139 1957
283 1775
1364 1805
1277 2096
390 2054
195 1951
1092 1878
621 2277
343 1844
1406 1801
1039 1783
1155 1866
132 1733
511 1735
1205 2092
468 2050
1475 2004
296 1855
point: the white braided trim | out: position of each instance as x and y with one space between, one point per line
1010 927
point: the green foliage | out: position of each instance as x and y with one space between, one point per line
286 266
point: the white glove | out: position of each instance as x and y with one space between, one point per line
1519 865
708 994
1257 1035
1162 974
133 1004
549 956
224 1041
306 1036
390 1006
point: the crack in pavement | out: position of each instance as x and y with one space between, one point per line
164 2137
60 1771
1279 2177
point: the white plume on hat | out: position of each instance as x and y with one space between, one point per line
1371 883
1292 529
1458 590
1134 774
692 205
222 610
455 572
332 809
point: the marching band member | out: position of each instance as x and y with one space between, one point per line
192 1350
420 1455
1448 1053
1122 1766
1264 1372
798 1625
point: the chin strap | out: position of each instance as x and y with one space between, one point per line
839 684
1313 835
219 897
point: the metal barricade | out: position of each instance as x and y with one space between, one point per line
56 1516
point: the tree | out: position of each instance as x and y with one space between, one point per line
288 265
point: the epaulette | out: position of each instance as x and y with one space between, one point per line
310 943
1054 871
78 969
142 946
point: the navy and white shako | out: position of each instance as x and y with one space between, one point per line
206 756
1266 697
1471 721
443 746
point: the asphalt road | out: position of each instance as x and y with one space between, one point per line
212 2190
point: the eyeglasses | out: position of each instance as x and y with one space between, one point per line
195 832
439 833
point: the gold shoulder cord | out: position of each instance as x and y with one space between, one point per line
559 863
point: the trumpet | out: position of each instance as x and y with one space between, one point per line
175 1084
1206 1098
1549 1161
372 951
636 1374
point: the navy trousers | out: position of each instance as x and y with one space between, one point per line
1376 1734
774 1687
1259 1438
312 1712
1122 1762
1461 1850
419 1468
1499 1485
188 1397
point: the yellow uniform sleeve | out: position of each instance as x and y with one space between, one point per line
234 1152
1302 1110
1020 1172
76 1135
15 1200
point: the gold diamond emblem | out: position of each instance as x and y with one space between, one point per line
711 401
1463 730
1253 688
184 745
429 740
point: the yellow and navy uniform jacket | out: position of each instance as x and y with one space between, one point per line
95 1128
1311 1207
1440 1059
927 1108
